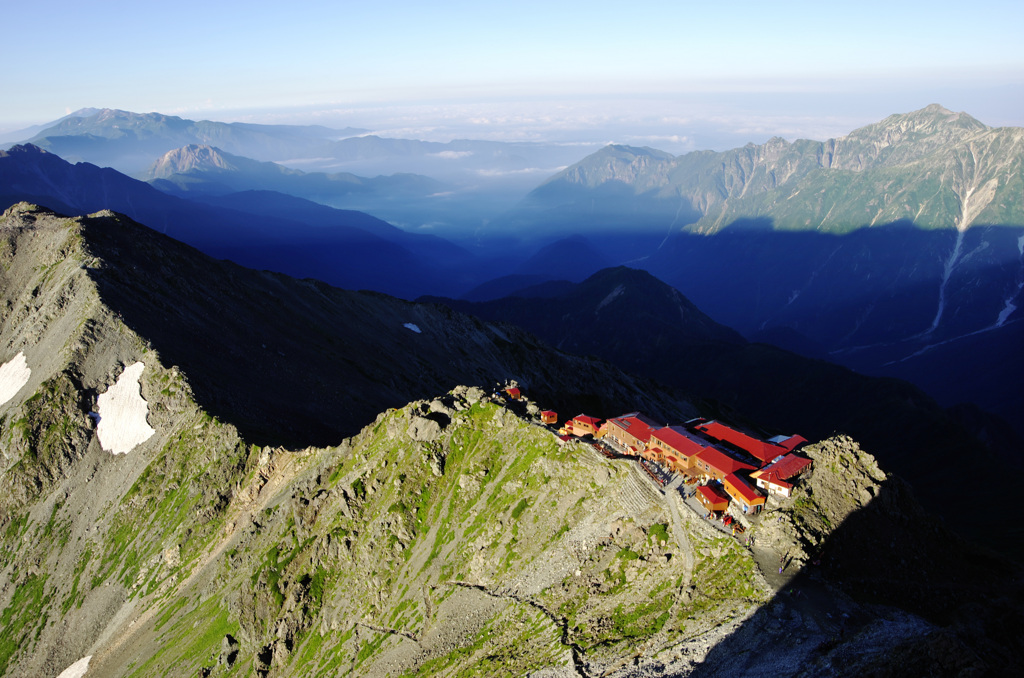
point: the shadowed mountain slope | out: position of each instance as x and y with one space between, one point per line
884 301
298 361
347 249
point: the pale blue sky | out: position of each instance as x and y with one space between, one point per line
220 60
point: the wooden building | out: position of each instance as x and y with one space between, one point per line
630 432
712 498
741 492
582 425
714 463
675 447
779 476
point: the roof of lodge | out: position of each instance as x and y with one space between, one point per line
783 469
735 484
584 419
788 443
759 449
635 424
712 495
679 439
722 461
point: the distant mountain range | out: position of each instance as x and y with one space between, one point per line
209 170
259 229
488 176
932 167
131 142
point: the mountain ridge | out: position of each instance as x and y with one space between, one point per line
209 170
131 141
949 167
451 533
344 248
347 334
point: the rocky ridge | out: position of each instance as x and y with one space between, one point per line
449 534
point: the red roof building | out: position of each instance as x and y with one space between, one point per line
712 498
582 425
788 443
761 450
514 393
631 432
776 477
675 447
717 464
549 417
742 493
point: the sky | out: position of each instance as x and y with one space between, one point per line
558 70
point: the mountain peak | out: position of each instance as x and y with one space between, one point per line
932 121
198 157
22 149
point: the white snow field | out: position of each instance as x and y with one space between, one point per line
76 670
123 411
13 375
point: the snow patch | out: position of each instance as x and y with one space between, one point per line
14 375
413 327
76 670
122 411
947 271
501 335
611 297
1006 312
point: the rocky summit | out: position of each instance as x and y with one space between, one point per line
151 525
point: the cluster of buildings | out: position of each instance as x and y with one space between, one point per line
731 466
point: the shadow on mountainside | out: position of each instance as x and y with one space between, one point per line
890 592
299 363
